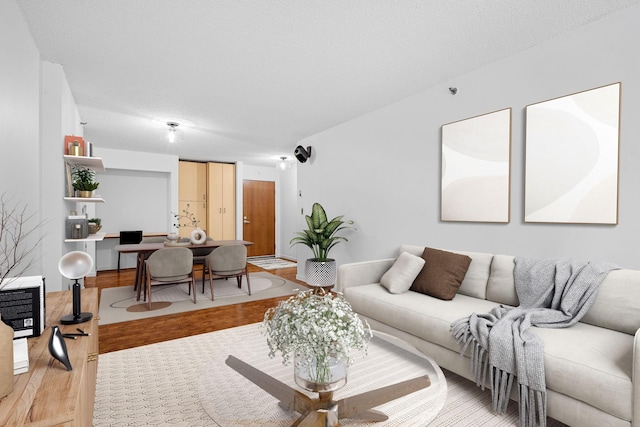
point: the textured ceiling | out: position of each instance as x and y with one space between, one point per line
249 79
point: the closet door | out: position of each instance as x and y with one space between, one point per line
222 201
192 191
228 202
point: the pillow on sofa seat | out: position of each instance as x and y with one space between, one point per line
402 273
442 273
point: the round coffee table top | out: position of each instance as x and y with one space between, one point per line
231 399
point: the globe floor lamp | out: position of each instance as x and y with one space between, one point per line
75 265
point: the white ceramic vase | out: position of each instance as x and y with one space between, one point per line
198 236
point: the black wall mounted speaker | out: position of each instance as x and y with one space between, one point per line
302 154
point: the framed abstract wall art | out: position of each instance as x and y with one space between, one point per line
571 170
476 168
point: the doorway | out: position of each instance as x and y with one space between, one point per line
259 217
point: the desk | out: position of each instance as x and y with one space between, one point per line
144 249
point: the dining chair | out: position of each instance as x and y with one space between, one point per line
129 238
200 257
227 261
166 266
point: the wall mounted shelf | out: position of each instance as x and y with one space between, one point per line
90 238
85 199
94 163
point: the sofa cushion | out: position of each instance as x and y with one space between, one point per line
501 286
442 273
475 281
417 314
402 273
590 364
617 306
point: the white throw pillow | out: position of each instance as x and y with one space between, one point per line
403 272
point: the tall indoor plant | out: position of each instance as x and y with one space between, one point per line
18 243
321 236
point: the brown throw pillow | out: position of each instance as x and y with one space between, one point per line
442 273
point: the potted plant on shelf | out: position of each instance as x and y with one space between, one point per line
84 181
94 224
321 237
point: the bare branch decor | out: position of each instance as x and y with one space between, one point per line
18 241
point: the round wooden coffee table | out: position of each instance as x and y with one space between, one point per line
252 389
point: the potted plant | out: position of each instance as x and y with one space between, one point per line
94 224
18 241
84 180
321 236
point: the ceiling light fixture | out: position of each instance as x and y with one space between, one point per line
283 164
172 135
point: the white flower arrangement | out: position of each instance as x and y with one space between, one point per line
314 326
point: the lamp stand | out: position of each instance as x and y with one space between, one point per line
77 316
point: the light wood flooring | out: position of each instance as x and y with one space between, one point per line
119 336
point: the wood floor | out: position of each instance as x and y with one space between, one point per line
119 336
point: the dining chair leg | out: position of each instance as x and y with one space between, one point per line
148 291
246 273
210 285
193 284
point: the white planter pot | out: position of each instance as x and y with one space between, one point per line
320 273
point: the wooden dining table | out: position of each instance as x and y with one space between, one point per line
145 249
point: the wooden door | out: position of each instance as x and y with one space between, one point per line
192 182
259 216
228 202
221 218
214 217
192 194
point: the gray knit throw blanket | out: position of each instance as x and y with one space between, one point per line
552 294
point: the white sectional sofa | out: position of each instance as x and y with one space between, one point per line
592 369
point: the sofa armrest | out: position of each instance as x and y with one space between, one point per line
362 273
635 380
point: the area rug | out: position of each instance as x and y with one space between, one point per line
271 263
120 305
186 382
163 384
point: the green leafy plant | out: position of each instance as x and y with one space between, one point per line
84 179
96 221
320 237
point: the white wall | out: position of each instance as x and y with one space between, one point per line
26 170
58 117
383 170
140 192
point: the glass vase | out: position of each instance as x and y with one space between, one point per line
320 374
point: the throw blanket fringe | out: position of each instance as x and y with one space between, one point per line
534 405
501 346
